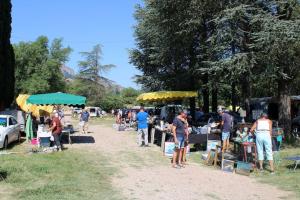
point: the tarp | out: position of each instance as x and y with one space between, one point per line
166 95
58 98
28 129
36 110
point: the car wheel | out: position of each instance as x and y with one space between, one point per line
5 144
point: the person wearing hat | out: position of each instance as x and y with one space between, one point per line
56 129
263 131
178 130
226 128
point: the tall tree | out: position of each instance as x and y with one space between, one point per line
38 66
88 82
7 62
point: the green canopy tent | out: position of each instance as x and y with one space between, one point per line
58 98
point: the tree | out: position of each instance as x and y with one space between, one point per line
88 82
282 62
91 68
7 62
38 66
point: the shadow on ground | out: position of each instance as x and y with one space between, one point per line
82 139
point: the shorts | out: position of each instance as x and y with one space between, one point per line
225 136
180 144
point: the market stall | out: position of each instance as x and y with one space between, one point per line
161 132
49 102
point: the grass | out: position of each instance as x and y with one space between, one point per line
285 178
63 175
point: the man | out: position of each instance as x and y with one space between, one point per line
142 118
178 130
226 127
263 131
84 119
56 129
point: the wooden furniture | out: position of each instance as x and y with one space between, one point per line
214 156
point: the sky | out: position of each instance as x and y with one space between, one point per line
82 24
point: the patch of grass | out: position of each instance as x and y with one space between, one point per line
284 177
107 121
62 175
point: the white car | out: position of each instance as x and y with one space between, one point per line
9 130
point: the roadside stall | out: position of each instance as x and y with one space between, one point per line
162 130
32 111
54 101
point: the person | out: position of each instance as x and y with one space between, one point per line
61 116
198 114
226 127
178 130
56 129
186 142
142 119
263 131
129 117
84 119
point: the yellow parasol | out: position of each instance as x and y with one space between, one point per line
35 109
166 95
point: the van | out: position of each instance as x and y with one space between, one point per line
94 111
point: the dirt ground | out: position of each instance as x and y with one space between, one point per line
144 173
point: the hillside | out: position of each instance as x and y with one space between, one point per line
70 74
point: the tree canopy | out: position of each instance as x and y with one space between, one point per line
38 66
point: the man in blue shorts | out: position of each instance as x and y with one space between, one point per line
226 127
142 119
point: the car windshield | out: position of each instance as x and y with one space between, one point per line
3 122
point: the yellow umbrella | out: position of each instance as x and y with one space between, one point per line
166 95
35 109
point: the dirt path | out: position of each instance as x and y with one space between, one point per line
146 174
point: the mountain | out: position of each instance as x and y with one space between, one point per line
108 84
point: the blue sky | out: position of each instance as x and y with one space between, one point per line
82 24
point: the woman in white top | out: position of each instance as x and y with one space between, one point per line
263 131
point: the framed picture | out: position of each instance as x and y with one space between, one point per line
169 149
212 144
228 166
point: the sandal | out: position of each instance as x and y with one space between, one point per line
176 166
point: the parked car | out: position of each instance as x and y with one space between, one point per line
9 130
76 111
94 111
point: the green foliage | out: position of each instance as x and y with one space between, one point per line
88 82
91 68
7 62
112 101
38 66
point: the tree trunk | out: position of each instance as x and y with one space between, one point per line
193 107
214 99
205 93
246 94
285 109
233 97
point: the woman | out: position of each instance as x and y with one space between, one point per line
263 131
186 142
178 130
